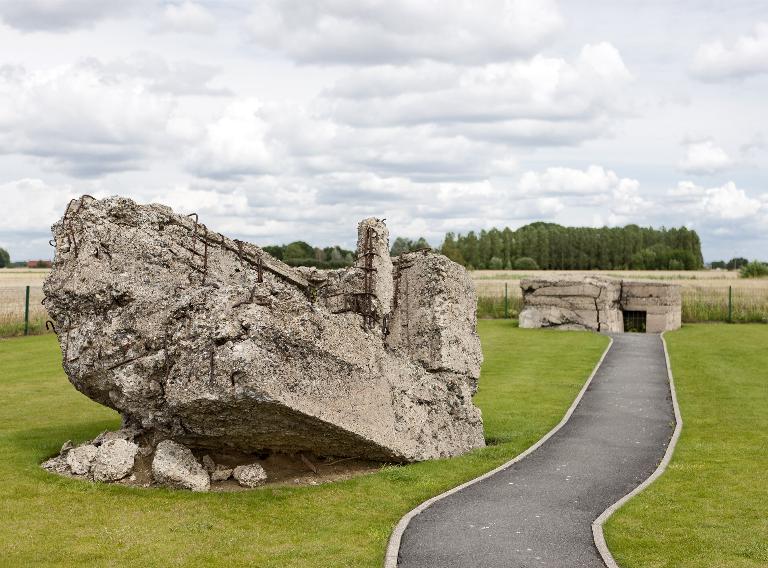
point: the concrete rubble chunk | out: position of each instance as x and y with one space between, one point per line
114 460
175 465
221 473
57 464
208 463
598 303
251 475
80 459
213 343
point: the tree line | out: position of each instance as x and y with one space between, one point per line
549 246
300 253
545 246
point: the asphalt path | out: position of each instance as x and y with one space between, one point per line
539 511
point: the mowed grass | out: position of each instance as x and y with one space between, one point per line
529 379
710 508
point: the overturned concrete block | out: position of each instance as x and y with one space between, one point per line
600 304
214 344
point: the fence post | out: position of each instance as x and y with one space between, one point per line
26 313
506 301
730 304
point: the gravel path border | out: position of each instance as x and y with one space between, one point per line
597 525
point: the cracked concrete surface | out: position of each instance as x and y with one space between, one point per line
213 343
598 303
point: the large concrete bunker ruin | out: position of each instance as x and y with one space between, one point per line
212 344
602 304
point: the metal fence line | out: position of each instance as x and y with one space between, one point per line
21 311
727 303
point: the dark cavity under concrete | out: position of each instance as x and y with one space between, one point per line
539 511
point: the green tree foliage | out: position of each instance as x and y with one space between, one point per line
5 258
402 245
754 269
554 247
525 263
298 250
717 264
299 253
736 263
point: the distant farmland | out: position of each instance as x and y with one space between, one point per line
705 294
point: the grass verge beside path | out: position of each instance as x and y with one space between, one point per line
710 508
529 379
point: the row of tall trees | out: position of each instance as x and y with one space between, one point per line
300 253
554 247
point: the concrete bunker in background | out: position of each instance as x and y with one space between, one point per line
600 304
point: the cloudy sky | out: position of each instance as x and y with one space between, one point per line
285 119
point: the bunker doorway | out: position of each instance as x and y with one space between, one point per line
634 321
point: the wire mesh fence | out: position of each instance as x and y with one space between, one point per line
19 316
728 304
495 299
699 303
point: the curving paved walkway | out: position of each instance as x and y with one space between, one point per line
539 511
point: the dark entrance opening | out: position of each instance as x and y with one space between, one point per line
634 321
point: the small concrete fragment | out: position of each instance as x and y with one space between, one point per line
208 463
114 460
251 475
222 473
80 459
57 464
175 465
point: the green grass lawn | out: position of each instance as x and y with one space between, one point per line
710 508
529 379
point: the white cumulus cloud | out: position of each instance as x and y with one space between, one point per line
747 55
543 100
595 180
237 143
722 203
378 31
80 121
704 157
60 15
594 186
30 204
186 17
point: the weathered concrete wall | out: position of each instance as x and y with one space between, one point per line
433 313
597 303
212 343
661 301
571 303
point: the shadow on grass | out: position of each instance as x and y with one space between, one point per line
35 445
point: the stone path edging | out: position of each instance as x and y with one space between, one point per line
393 547
597 524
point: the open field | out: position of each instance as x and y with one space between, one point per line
528 381
709 507
705 292
12 289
